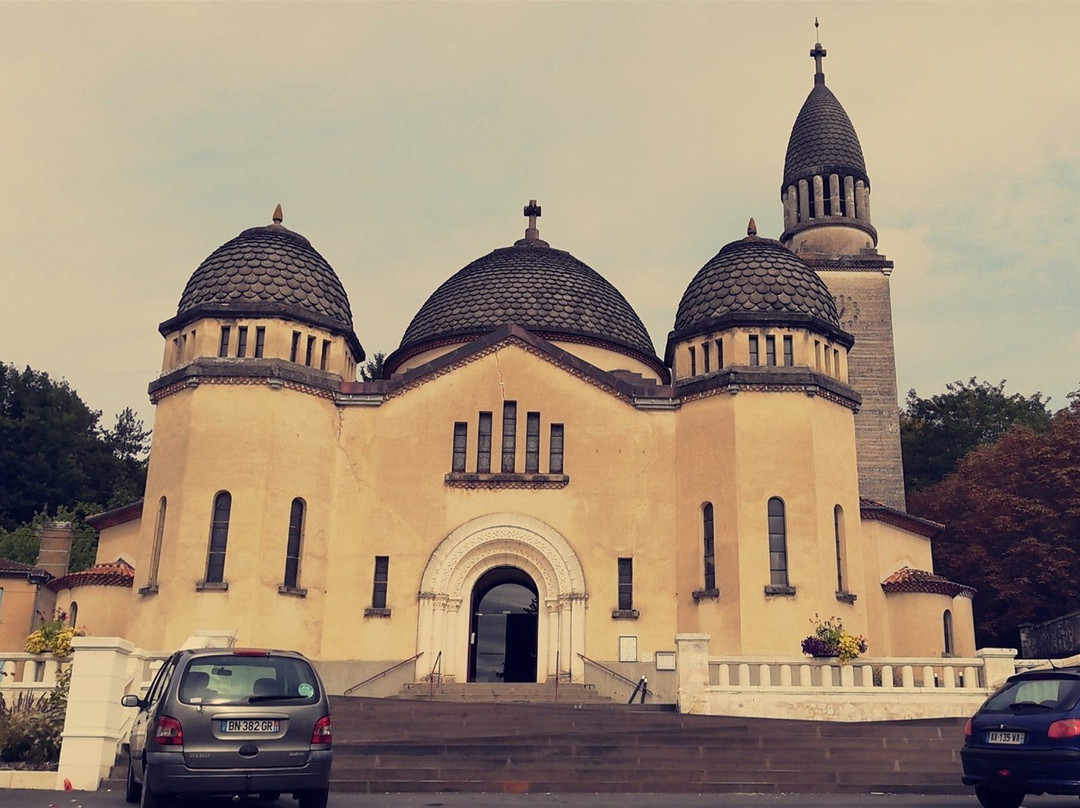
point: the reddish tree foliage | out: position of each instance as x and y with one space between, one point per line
1012 516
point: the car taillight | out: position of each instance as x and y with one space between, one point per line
322 735
1067 728
168 732
967 729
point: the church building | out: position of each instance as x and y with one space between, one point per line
532 492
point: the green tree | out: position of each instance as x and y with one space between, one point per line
22 543
936 432
373 368
53 451
1012 525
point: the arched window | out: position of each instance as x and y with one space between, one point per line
296 541
947 626
838 533
73 613
155 549
778 564
219 537
709 543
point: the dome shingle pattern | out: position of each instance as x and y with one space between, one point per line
754 275
268 266
546 291
823 141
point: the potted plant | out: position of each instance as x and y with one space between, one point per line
53 636
829 640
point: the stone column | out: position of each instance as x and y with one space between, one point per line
692 672
860 201
849 197
834 195
804 202
791 208
819 197
95 718
998 665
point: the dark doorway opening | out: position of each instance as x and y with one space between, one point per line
503 635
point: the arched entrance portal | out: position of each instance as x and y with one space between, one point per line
505 607
512 549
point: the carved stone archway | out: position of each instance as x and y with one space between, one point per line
503 540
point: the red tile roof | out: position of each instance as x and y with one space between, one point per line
906 579
880 512
118 573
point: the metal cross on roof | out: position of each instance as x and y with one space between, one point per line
532 210
818 53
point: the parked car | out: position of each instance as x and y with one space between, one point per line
223 721
1025 739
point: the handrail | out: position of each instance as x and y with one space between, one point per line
380 674
616 674
431 676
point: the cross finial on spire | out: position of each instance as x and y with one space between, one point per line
278 218
818 53
532 210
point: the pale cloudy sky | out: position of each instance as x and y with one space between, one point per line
403 140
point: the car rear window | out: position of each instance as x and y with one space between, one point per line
1053 693
229 679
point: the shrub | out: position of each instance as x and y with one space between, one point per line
31 725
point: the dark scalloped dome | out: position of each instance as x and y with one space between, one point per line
755 275
823 141
544 290
267 267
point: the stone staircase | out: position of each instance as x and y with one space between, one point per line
517 738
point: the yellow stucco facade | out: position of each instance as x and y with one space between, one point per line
530 491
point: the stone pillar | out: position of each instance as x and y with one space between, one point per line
819 197
692 664
791 208
849 197
998 665
55 549
95 718
834 195
804 202
860 201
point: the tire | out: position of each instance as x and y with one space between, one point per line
993 798
313 799
150 798
132 790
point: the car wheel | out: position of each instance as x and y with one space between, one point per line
313 799
132 791
150 798
992 798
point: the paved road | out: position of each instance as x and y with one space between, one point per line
13 798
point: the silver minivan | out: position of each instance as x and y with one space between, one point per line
231 721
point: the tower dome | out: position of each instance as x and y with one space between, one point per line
754 281
545 290
825 190
264 271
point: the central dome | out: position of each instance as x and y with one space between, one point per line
546 291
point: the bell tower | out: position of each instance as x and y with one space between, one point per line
826 199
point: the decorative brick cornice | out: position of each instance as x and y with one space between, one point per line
518 481
276 374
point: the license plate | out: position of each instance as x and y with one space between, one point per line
266 725
1013 738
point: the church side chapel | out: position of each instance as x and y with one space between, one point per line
531 492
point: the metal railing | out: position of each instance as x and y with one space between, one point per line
641 686
383 673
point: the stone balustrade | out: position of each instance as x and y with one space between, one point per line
36 673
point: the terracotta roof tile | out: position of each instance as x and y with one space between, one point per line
906 579
117 573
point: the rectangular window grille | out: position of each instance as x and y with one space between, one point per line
778 567
295 351
705 356
719 354
223 348
260 341
241 341
532 443
325 359
509 436
693 361
483 444
770 351
709 547
461 438
555 450
754 350
382 577
219 538
626 584
310 351
789 352
296 540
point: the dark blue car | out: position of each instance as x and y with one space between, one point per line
1025 739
